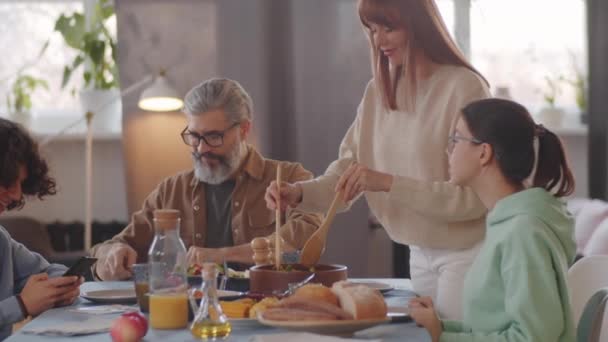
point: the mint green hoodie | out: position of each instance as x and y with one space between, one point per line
516 288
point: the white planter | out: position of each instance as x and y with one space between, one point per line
106 107
551 117
23 118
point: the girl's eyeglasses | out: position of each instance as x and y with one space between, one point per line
453 139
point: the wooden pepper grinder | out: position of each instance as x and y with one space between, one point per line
261 251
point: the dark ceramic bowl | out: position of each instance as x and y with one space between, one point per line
265 279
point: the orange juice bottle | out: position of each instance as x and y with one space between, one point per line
167 273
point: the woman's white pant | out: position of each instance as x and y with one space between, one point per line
439 274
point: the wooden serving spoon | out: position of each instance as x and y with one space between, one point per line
311 253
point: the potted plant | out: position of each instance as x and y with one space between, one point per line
551 115
19 100
579 83
96 57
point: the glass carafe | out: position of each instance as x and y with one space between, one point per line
168 280
209 322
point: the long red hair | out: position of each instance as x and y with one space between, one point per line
426 32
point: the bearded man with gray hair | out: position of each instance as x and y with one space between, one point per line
221 199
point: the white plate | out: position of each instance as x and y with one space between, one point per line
382 287
244 322
227 295
339 327
123 296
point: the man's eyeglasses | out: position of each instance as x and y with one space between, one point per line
212 139
453 139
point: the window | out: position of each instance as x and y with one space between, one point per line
519 43
26 26
446 7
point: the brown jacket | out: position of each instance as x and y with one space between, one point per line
250 217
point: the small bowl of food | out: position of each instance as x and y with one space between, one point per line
236 308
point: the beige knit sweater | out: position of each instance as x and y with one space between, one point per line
422 207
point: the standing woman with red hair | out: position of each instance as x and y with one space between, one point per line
394 152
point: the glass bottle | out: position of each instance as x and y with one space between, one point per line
168 280
210 321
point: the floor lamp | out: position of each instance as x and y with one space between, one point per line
159 96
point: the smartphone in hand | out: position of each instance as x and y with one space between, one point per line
81 267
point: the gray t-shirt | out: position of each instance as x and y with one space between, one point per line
219 217
17 264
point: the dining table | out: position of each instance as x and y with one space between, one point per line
396 298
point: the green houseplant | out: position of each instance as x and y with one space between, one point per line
580 84
551 115
19 100
96 58
553 90
95 46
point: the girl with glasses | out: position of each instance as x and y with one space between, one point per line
516 288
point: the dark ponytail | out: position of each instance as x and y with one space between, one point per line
509 128
552 168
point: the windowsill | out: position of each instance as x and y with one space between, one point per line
45 126
570 126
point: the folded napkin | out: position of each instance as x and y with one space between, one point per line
92 325
104 309
301 337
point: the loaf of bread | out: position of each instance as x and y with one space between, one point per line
316 292
316 305
285 314
344 301
360 301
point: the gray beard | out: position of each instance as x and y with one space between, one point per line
223 170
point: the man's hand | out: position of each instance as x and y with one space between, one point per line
115 261
42 293
358 178
291 195
199 255
423 312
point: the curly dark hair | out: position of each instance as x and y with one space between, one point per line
18 149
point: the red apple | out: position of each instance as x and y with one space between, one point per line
130 327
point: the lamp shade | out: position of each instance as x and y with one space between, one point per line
160 96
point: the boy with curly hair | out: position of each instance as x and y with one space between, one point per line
29 285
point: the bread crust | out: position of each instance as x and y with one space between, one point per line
360 301
316 292
314 305
290 314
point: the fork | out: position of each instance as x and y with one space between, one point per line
292 287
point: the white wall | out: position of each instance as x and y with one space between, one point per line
577 154
66 162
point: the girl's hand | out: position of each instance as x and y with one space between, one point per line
424 314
